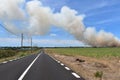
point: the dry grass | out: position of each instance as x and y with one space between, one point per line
110 66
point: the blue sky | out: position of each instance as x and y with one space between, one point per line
101 14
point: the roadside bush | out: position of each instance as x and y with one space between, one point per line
22 54
99 74
7 53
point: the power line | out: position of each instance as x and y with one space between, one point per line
6 28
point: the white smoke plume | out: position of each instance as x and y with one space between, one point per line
10 11
40 18
36 19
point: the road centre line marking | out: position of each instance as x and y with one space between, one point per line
74 74
24 73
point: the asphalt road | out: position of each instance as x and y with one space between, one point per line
36 67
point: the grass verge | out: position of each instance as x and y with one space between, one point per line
9 54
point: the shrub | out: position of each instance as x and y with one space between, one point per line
22 54
99 74
7 53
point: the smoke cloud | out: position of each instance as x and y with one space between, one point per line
35 19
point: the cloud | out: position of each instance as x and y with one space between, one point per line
10 10
105 21
91 14
40 42
40 18
53 34
101 4
55 42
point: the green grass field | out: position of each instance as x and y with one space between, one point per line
89 52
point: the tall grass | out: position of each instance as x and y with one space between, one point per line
7 53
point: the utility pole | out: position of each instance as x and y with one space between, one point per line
22 40
31 44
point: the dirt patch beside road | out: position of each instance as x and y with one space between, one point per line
87 66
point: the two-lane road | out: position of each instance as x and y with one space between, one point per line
36 67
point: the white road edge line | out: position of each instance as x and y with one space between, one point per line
58 61
62 64
10 60
74 74
4 62
67 68
53 58
24 73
